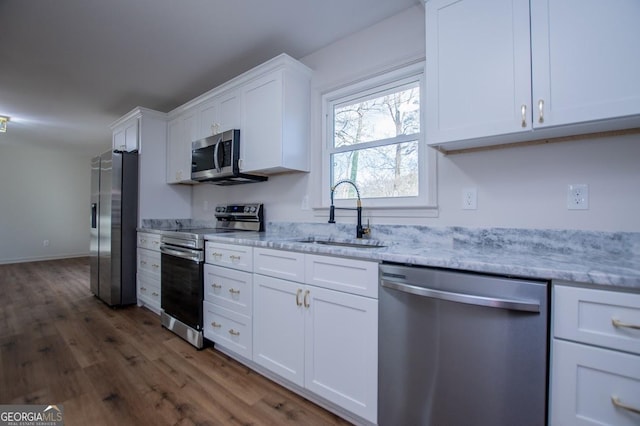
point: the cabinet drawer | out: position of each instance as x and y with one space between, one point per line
585 379
230 256
348 275
228 329
149 261
287 265
228 288
597 317
149 241
149 291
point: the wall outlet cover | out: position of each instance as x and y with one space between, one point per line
578 197
469 198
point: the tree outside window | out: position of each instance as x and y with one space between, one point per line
376 141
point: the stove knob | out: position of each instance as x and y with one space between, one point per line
247 209
253 209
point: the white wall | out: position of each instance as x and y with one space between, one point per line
522 187
44 195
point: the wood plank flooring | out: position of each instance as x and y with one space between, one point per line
61 345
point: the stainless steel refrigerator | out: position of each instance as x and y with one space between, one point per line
114 217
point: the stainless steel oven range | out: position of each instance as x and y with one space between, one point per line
182 263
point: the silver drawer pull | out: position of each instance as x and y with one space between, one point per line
155 294
143 288
616 401
216 254
523 110
216 286
232 257
216 325
234 333
618 323
143 262
298 293
234 291
155 265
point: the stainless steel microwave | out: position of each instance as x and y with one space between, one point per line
215 159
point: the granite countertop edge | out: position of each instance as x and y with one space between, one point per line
601 259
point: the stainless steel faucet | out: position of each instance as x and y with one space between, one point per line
360 230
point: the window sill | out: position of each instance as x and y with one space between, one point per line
396 212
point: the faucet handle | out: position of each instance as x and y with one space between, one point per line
367 229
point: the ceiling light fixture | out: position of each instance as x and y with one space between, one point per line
3 123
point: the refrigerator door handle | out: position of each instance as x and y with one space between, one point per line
94 215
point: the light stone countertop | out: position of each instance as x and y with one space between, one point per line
599 258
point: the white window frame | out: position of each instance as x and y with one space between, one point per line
426 199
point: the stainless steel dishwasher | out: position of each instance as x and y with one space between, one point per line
459 349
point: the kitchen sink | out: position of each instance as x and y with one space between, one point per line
365 244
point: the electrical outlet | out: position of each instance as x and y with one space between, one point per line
578 197
469 199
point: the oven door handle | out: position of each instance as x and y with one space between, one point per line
192 255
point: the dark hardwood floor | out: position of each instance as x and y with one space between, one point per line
61 345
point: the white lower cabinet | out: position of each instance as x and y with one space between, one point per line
228 296
148 271
279 327
321 339
595 357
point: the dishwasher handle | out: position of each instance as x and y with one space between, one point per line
491 302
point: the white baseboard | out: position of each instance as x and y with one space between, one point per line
42 258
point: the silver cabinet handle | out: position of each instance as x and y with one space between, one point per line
232 257
306 300
216 325
616 401
216 286
234 291
541 111
298 293
234 333
491 302
618 323
523 110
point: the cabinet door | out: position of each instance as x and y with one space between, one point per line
341 348
584 379
131 136
261 134
478 69
229 111
209 124
585 60
278 324
176 161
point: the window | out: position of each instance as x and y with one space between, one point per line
374 137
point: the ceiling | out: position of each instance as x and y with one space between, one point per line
69 68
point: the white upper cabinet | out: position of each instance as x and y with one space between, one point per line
478 69
270 105
586 56
181 131
274 136
125 135
502 71
219 114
